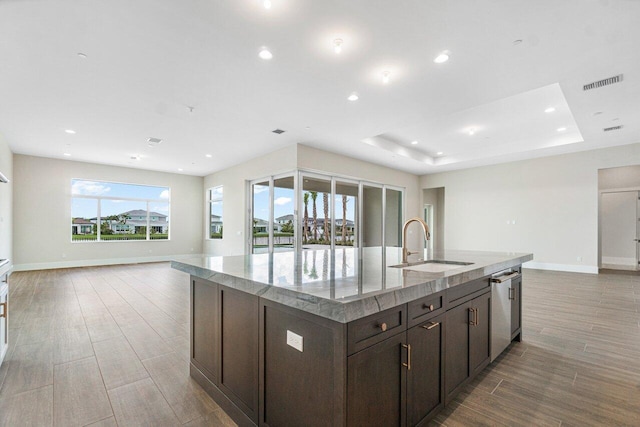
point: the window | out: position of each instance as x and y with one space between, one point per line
215 213
111 211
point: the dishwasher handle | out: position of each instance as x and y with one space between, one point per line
504 278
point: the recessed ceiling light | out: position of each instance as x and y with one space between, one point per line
597 113
442 57
439 153
472 132
266 4
562 129
82 55
337 45
517 42
180 169
385 77
550 110
265 54
67 154
414 142
353 97
208 155
615 120
70 131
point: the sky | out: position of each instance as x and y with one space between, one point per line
283 204
88 208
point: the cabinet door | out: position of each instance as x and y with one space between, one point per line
4 320
456 349
425 391
204 328
239 348
516 306
376 384
479 344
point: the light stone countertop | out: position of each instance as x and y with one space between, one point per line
345 284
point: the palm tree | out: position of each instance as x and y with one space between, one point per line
314 196
344 218
327 223
305 229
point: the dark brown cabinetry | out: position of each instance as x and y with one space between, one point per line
398 381
516 308
467 348
269 364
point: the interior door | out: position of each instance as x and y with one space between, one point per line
619 227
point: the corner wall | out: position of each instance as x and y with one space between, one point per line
42 213
553 201
6 202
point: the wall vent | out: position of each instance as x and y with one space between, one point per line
278 131
603 82
154 141
612 128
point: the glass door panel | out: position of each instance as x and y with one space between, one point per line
283 214
371 216
316 215
346 222
393 218
260 222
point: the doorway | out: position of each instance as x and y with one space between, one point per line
619 225
434 216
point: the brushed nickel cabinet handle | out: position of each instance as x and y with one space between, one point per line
431 326
408 364
4 309
383 326
472 311
477 319
512 294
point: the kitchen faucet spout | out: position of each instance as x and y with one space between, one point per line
427 236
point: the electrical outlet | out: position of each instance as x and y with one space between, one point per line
294 340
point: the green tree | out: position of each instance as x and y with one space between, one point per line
314 196
327 223
287 227
305 230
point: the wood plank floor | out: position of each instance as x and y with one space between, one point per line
107 346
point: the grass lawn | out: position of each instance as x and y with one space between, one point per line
116 237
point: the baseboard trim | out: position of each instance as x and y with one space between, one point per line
98 262
590 269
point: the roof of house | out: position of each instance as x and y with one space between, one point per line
142 212
285 218
81 221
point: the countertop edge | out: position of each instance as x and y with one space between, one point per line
346 311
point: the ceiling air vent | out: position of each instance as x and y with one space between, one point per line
278 131
154 141
612 128
603 82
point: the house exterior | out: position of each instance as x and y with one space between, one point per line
135 221
216 224
81 226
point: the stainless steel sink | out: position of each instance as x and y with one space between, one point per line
432 266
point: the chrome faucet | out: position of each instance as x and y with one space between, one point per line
427 236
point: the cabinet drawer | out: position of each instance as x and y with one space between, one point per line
372 329
461 293
425 308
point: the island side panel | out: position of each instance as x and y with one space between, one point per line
305 387
205 349
239 329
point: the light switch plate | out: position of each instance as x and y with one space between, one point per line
294 340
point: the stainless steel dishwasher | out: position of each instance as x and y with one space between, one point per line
501 310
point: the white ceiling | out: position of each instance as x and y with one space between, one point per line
148 61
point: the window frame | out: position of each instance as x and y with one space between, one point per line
99 200
210 200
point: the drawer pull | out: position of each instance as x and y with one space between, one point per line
383 326
408 364
430 306
431 326
474 318
512 294
4 309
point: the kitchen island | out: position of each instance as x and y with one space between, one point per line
341 337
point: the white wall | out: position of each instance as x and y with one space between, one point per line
553 200
6 201
42 215
234 181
